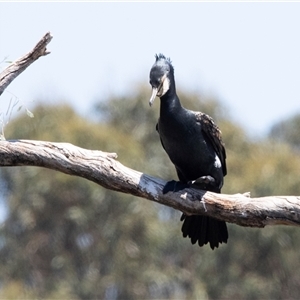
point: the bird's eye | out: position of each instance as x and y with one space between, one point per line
155 82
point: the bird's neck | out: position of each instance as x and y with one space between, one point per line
169 104
170 101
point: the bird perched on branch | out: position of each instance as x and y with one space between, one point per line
194 145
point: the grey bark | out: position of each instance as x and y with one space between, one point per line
104 169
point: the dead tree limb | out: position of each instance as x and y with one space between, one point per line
103 169
17 67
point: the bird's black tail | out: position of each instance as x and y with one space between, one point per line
204 230
201 229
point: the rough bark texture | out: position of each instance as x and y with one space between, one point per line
103 169
17 67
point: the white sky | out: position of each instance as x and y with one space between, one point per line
245 54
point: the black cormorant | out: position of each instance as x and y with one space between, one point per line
193 142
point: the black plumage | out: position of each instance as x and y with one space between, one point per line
193 142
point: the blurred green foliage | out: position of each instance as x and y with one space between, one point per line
68 238
287 131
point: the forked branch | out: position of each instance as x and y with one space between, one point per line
17 67
105 170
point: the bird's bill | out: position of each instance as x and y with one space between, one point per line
154 93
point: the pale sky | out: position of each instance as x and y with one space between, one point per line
247 55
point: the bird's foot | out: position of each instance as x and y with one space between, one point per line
204 182
174 186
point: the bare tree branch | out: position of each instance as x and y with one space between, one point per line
17 67
103 169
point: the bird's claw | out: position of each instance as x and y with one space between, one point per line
204 182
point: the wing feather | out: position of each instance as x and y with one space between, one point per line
214 134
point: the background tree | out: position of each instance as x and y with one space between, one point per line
287 131
67 237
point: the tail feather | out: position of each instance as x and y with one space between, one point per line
204 230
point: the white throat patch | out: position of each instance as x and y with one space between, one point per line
164 87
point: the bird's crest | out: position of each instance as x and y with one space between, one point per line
160 56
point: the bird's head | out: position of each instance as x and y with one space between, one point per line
160 76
